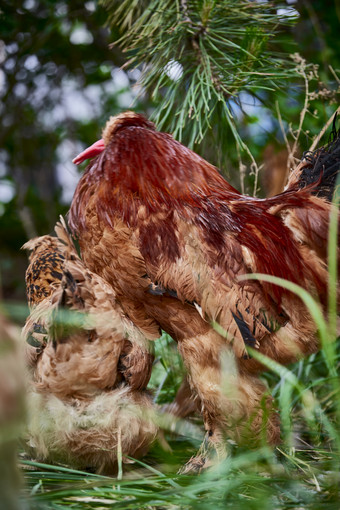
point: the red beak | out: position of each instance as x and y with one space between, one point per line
90 152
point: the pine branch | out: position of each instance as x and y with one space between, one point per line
198 54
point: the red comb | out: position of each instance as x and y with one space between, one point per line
90 152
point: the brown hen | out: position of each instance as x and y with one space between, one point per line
172 237
88 363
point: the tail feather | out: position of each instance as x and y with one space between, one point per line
321 167
65 237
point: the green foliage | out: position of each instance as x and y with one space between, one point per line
255 480
197 55
168 370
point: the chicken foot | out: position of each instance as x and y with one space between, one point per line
209 453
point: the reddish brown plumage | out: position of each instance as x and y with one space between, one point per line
151 214
171 177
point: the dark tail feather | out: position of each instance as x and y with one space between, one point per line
322 166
